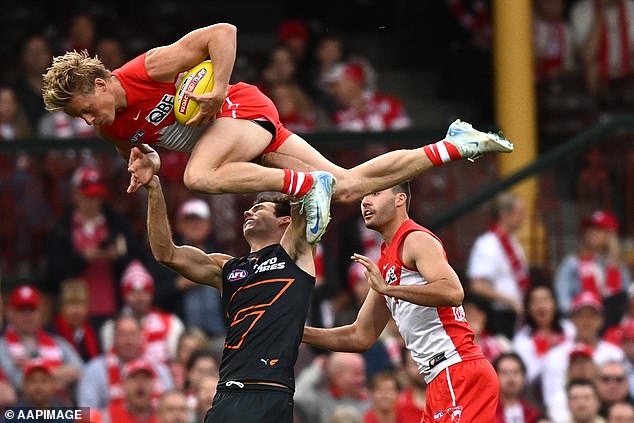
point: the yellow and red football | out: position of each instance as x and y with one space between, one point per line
198 80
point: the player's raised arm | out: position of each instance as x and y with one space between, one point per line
295 243
192 263
219 42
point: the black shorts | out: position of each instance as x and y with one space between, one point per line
251 404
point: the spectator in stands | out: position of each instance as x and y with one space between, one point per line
498 269
328 53
72 322
603 32
587 317
205 393
475 309
110 51
138 379
24 339
8 395
35 56
411 400
513 405
92 242
345 414
544 329
191 340
612 385
198 305
581 366
384 391
627 343
362 109
297 112
583 401
343 377
201 364
161 330
597 267
38 389
13 121
621 412
281 68
172 408
101 381
294 34
81 34
552 39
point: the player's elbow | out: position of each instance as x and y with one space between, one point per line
455 296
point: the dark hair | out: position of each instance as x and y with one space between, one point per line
510 356
198 354
405 189
556 323
282 202
582 382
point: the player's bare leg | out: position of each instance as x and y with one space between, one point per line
461 142
220 163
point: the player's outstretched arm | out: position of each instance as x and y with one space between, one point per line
424 252
192 263
357 337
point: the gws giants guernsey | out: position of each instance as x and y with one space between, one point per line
437 336
265 296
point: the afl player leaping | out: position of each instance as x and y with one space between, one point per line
133 106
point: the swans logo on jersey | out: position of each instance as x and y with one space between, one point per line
237 274
455 413
161 110
137 135
390 276
458 314
270 264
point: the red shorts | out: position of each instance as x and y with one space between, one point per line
466 392
245 101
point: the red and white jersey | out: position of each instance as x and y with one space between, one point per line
149 116
379 113
437 336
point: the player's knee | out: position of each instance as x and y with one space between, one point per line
201 183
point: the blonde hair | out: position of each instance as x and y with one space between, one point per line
72 74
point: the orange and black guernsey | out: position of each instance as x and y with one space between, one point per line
265 298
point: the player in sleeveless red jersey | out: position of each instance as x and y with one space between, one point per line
414 283
133 106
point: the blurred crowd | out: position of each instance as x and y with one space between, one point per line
92 320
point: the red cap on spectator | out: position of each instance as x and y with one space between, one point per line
292 28
587 299
37 364
136 278
136 366
602 219
89 182
627 329
580 350
25 296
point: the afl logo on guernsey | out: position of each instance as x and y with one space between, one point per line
237 274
